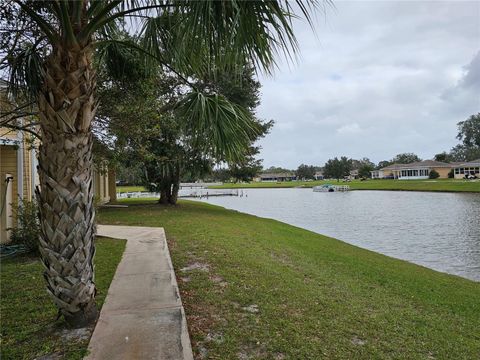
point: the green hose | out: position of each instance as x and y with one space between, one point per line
8 251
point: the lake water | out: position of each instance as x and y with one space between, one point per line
437 230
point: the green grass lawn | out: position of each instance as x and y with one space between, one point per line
261 289
28 326
407 185
124 189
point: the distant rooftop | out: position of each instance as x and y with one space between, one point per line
276 175
473 163
418 164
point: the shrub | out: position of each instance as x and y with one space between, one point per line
433 174
27 230
451 174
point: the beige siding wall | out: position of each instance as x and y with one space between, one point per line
8 161
27 174
443 172
8 165
101 186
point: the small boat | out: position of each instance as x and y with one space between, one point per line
324 188
330 188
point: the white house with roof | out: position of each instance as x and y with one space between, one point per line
277 177
413 171
471 168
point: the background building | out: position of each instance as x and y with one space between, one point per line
471 168
18 171
412 171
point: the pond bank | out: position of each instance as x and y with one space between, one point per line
436 230
443 185
254 287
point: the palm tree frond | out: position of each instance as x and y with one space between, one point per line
47 28
218 126
26 73
231 31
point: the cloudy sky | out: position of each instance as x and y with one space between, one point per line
377 79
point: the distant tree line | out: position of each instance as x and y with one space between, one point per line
337 168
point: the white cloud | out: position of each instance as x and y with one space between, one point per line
388 76
349 129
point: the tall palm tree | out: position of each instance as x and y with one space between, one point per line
56 66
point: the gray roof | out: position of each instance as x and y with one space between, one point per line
276 175
419 164
473 163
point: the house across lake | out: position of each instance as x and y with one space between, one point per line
471 168
285 176
414 171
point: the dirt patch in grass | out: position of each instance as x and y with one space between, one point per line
195 266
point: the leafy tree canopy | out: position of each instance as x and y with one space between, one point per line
364 171
469 135
150 132
469 131
442 157
276 170
405 158
305 172
337 168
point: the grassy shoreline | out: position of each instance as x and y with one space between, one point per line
442 185
28 327
259 288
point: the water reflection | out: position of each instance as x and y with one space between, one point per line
437 230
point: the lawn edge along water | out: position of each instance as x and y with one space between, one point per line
259 288
443 185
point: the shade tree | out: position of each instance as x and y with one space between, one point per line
337 168
305 172
50 56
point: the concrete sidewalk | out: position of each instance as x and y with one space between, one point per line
143 316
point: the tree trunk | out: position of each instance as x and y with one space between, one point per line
112 186
163 197
164 192
175 188
174 194
67 106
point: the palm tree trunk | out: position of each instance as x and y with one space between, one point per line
65 196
